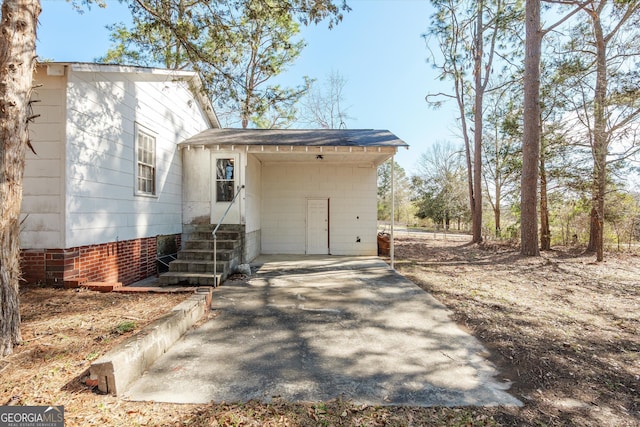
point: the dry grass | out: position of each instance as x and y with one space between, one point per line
564 329
63 331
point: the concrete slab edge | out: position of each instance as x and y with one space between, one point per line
125 363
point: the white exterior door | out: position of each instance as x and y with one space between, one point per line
317 226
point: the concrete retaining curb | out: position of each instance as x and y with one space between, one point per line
127 362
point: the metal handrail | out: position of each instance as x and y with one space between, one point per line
215 237
173 256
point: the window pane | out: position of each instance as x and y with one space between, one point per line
225 174
146 164
225 169
225 191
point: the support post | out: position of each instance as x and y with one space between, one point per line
393 211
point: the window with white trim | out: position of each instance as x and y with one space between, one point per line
145 163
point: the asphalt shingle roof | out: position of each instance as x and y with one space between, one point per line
298 137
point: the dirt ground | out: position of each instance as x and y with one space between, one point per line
564 329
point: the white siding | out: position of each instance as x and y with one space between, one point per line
43 186
197 180
253 208
352 193
199 188
253 194
103 109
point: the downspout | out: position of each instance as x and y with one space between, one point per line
393 210
329 226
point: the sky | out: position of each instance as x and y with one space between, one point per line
378 48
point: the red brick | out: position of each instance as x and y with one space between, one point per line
102 286
126 262
75 283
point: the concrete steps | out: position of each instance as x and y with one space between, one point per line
195 264
172 278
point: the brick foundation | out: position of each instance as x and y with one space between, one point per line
126 261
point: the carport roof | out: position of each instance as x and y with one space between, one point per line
297 137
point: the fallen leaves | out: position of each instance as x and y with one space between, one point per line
550 321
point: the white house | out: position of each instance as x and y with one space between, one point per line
129 160
106 177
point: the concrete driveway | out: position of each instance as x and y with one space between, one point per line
317 328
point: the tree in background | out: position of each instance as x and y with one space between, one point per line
17 63
147 43
557 161
280 115
236 46
531 131
323 106
439 187
623 213
531 134
606 99
471 35
402 192
264 48
501 149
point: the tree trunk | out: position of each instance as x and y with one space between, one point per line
244 115
476 218
600 143
472 203
531 132
467 145
596 232
498 190
593 222
496 208
545 230
17 61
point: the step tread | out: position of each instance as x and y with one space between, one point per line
197 261
188 274
172 278
212 240
208 251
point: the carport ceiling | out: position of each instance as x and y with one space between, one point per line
315 156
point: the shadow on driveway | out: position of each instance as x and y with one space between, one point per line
317 328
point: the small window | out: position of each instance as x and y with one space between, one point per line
145 163
225 175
